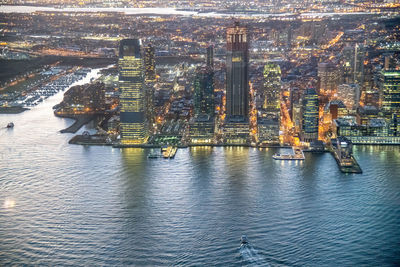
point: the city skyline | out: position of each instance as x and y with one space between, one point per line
182 133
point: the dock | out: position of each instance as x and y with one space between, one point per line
297 155
342 150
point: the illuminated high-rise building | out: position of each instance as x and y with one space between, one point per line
348 64
204 92
359 56
390 91
310 116
268 118
236 128
210 56
201 126
272 87
328 77
131 84
149 64
237 80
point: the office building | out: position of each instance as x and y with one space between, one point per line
237 80
390 91
149 64
131 84
350 95
204 92
236 128
310 121
272 88
358 70
328 78
210 56
201 126
268 117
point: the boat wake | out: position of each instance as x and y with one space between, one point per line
249 254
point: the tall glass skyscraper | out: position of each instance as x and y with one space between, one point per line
131 84
390 90
204 92
201 126
237 80
310 116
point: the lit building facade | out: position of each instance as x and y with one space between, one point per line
328 78
131 84
236 128
390 90
268 130
201 130
204 92
150 63
376 131
350 95
268 118
201 127
237 80
272 88
210 56
359 56
310 121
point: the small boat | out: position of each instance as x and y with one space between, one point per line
243 240
10 125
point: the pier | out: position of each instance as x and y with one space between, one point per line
342 150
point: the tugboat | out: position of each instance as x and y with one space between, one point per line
10 125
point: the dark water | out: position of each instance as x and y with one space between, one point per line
72 205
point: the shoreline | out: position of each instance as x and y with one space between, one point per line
12 110
80 120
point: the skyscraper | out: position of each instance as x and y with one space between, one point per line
272 87
149 64
268 118
328 77
201 127
237 80
210 56
359 56
204 92
131 84
236 129
390 90
310 116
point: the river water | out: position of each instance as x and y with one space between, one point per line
167 11
64 204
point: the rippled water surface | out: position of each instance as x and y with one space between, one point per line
73 205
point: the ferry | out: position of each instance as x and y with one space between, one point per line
10 125
168 152
297 155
